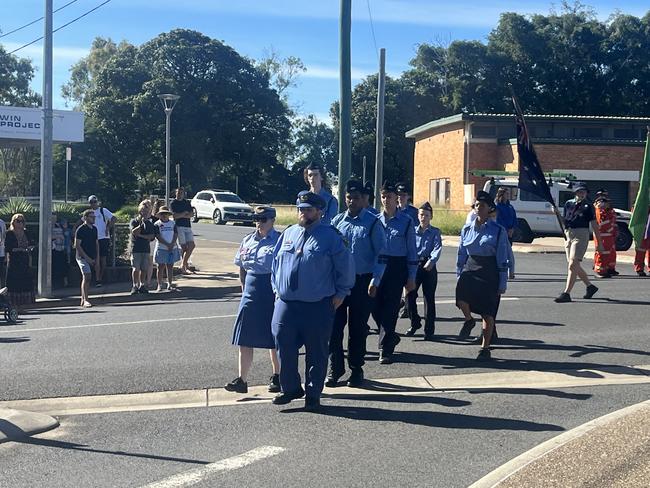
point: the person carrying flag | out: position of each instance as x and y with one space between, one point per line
640 221
643 251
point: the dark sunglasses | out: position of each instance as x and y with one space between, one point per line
19 221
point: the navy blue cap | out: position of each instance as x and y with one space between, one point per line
388 187
368 189
307 199
354 185
402 188
263 212
483 196
426 206
580 186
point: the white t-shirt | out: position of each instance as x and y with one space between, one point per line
165 231
3 234
101 221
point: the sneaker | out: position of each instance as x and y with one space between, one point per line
312 404
134 290
484 355
411 331
641 273
591 291
356 378
143 290
171 287
511 276
237 385
563 298
385 358
284 398
332 380
466 329
87 304
274 384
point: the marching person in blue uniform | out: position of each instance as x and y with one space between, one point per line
482 270
316 177
368 198
253 324
312 273
404 199
366 239
428 243
401 262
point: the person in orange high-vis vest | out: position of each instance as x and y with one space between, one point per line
605 260
643 251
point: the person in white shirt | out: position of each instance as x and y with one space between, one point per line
104 221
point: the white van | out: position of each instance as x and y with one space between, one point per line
535 217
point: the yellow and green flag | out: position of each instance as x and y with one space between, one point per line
639 220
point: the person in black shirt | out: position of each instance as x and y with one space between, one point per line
87 246
182 210
142 233
579 214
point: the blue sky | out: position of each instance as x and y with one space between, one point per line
304 28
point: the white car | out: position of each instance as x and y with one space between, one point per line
221 206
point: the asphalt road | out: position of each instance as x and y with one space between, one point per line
205 229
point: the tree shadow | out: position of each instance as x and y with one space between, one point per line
530 322
527 391
624 302
13 340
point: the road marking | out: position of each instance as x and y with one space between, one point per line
195 476
135 322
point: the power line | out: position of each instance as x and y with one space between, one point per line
34 21
63 26
372 29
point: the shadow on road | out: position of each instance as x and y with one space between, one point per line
397 398
11 340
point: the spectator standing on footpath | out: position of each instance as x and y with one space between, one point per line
59 262
642 252
3 235
312 273
428 242
316 177
18 247
143 232
167 252
579 215
507 218
253 324
104 222
366 239
605 261
182 211
152 245
87 245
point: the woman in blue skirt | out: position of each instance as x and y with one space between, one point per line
253 325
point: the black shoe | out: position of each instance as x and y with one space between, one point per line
385 358
143 290
312 404
429 337
591 291
641 273
484 355
411 332
467 328
284 398
613 272
356 378
332 380
237 385
274 384
563 298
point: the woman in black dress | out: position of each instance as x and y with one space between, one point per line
19 277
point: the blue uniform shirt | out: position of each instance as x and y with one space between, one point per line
506 215
255 253
412 212
323 265
400 239
331 206
428 243
490 239
366 238
373 210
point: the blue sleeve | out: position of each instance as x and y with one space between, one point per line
502 259
514 217
411 251
378 238
237 259
437 248
462 254
343 268
332 208
274 264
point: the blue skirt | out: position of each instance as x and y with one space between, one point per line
253 324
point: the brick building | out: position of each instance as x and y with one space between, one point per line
602 151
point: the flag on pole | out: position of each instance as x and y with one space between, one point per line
639 220
531 176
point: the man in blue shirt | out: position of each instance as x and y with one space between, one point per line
404 204
401 262
315 176
428 243
366 238
311 274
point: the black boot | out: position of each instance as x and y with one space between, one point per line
237 385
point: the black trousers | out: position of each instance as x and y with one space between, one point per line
354 311
429 282
387 301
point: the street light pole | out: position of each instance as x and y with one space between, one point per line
169 101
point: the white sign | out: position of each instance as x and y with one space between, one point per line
26 124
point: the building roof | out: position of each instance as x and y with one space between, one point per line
485 117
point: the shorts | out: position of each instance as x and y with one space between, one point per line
164 256
84 266
576 243
185 235
104 244
140 260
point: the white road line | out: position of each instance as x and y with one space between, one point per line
195 476
136 322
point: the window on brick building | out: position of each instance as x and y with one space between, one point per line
440 192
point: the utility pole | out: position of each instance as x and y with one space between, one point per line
345 104
379 149
68 158
45 200
363 177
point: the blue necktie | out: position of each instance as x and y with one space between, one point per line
295 268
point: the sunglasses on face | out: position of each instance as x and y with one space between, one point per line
19 221
262 220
